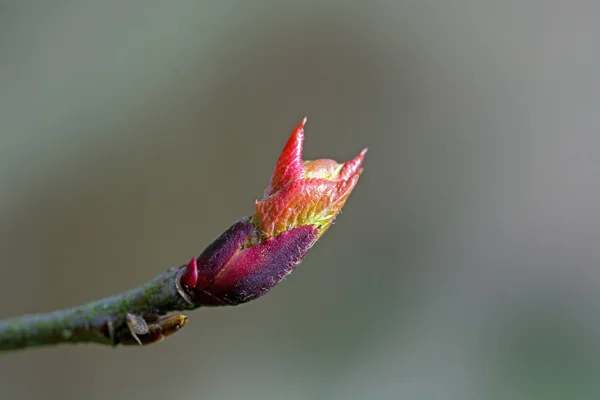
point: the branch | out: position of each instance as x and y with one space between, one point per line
134 317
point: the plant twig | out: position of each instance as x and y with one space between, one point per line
134 317
245 262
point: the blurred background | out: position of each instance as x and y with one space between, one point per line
466 264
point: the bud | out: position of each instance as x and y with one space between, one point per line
142 333
252 256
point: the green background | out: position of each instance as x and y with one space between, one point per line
466 264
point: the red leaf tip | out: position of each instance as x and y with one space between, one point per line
289 165
353 166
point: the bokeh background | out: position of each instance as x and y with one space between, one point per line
466 264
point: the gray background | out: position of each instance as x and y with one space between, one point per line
466 264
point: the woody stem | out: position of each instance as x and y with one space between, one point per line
103 321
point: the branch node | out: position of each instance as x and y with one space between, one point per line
180 289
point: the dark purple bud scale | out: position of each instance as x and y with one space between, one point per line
229 274
221 250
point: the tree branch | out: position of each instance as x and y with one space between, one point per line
134 317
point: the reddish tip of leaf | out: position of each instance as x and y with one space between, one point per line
189 277
289 165
353 166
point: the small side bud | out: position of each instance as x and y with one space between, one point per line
155 332
172 324
189 277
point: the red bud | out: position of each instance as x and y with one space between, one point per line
189 277
300 203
